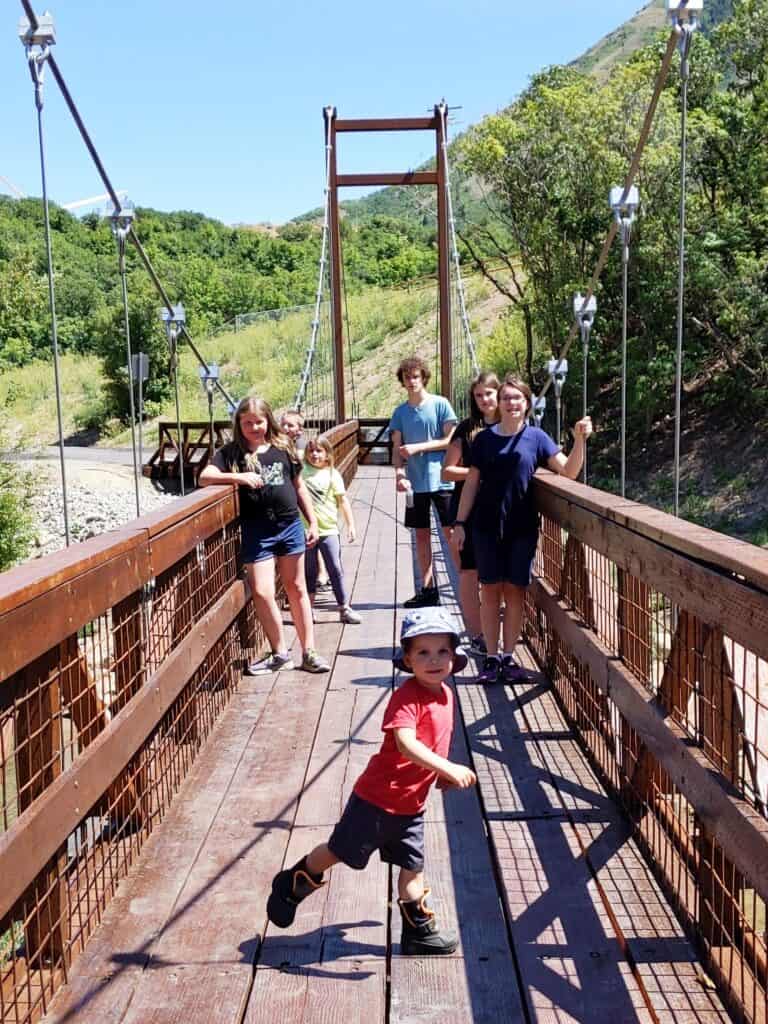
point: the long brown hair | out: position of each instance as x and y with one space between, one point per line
274 434
486 379
325 445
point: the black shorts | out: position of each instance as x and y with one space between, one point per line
363 828
467 558
417 517
505 561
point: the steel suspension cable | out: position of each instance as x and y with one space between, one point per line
34 23
305 376
629 181
686 38
355 409
443 109
121 231
37 62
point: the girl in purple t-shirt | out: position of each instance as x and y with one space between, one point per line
505 525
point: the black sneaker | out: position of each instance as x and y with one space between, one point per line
477 646
427 597
491 671
511 672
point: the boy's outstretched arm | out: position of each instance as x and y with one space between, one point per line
454 774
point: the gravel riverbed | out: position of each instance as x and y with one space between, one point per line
99 498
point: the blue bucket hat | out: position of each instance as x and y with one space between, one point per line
429 620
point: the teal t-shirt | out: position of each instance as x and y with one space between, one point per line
425 422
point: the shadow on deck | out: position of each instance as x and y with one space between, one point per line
559 916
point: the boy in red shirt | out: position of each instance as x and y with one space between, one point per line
386 809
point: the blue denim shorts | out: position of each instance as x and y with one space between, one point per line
280 539
504 561
364 828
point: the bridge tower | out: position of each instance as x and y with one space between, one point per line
439 177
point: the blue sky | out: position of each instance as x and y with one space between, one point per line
219 109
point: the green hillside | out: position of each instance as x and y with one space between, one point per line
615 48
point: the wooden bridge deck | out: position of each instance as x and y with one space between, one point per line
560 918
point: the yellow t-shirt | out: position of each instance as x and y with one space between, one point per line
325 486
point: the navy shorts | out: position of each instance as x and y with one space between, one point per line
505 561
417 517
467 557
282 539
363 828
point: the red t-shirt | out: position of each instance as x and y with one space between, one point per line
391 781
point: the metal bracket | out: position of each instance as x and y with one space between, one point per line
173 321
122 218
558 370
37 43
539 408
584 312
624 203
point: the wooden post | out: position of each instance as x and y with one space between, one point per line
335 253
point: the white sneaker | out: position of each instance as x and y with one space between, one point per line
272 662
350 617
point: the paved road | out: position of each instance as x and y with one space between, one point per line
76 453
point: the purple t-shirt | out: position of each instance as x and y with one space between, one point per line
504 504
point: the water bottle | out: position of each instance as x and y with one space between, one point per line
408 494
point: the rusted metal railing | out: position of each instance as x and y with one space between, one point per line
654 633
117 656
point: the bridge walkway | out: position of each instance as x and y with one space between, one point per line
560 918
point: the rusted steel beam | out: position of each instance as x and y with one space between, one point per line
740 830
396 178
386 124
37 834
715 597
717 550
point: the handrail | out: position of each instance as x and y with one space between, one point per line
707 546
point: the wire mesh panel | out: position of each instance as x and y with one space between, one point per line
627 620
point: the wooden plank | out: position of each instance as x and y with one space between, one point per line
740 610
35 626
386 124
513 777
571 962
230 879
386 179
104 978
37 576
170 544
708 546
36 834
445 990
349 992
664 958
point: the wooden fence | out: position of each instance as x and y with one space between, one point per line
117 656
654 633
